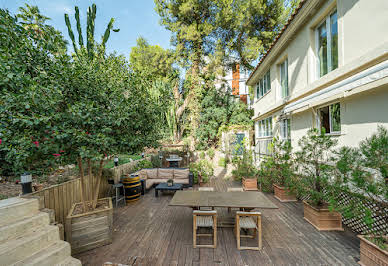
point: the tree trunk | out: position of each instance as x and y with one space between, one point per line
97 188
81 171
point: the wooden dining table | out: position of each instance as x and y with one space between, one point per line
235 199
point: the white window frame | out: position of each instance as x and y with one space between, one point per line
262 87
284 125
285 64
265 128
318 116
328 34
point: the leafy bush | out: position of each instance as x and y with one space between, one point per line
202 171
123 159
315 151
279 167
142 164
223 162
211 152
361 172
244 165
156 162
202 154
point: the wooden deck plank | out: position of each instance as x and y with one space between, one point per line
149 232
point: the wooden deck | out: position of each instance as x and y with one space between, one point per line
149 232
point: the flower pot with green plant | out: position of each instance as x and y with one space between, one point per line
313 179
202 171
170 182
363 172
245 169
278 169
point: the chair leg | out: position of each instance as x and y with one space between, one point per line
194 231
238 232
215 231
259 231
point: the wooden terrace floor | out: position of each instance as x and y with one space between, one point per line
149 232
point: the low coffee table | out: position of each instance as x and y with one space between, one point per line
164 186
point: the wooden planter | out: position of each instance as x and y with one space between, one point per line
322 219
283 194
249 183
371 254
89 230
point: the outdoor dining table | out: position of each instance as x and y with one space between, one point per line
246 200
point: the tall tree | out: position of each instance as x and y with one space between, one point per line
152 60
205 30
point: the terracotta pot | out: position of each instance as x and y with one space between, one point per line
283 194
249 183
371 254
322 218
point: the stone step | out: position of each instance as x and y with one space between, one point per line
20 228
26 245
13 209
51 255
70 261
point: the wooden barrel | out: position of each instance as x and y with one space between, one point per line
132 186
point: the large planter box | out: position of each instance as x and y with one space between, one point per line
249 183
89 230
322 219
283 194
371 254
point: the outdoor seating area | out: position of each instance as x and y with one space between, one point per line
151 232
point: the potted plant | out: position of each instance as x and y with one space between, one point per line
363 172
245 170
170 182
314 173
278 168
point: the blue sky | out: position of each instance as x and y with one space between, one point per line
134 18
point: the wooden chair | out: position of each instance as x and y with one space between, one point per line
205 189
204 219
248 220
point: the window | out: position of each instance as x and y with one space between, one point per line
265 127
285 129
327 45
264 85
329 118
284 78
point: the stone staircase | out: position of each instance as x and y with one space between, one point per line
27 238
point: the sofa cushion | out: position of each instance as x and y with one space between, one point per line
152 173
142 173
149 183
181 173
166 173
181 181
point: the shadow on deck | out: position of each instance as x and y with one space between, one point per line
149 232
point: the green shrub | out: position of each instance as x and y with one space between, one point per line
202 171
156 162
202 155
211 152
244 165
279 167
123 159
222 162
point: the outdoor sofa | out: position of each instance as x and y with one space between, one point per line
152 176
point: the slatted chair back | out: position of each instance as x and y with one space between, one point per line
204 219
248 220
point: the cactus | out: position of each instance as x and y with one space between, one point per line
90 22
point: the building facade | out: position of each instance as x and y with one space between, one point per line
235 82
328 68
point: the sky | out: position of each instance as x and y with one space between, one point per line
134 18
